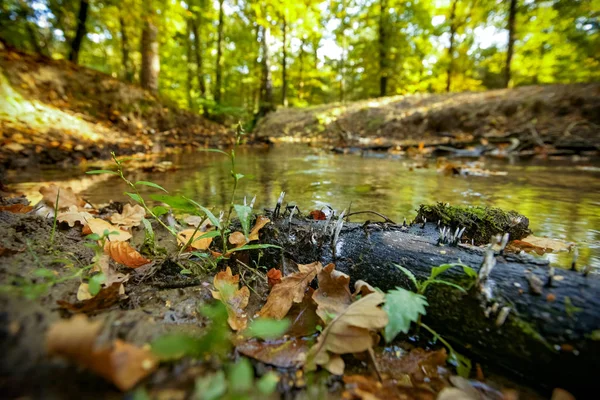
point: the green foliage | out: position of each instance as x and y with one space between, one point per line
402 307
421 287
266 328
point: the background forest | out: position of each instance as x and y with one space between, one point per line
244 57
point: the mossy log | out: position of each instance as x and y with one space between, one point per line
547 336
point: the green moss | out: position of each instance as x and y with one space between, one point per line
481 223
528 329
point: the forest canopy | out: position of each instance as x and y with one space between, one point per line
242 57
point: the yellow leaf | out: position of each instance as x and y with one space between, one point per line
131 216
333 295
199 244
123 253
73 215
98 226
235 299
66 197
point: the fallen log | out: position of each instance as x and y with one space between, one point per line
521 319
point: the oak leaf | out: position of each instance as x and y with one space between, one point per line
123 253
66 197
350 332
197 243
333 295
16 208
99 226
290 290
119 362
235 299
362 288
131 216
73 215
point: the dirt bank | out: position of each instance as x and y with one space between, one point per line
53 111
564 116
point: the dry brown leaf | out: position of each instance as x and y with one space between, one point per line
360 387
234 299
333 295
362 288
303 316
98 226
195 220
16 208
283 353
274 277
131 216
290 290
83 292
199 244
121 363
73 215
111 275
107 297
123 253
350 332
318 215
66 197
540 245
238 239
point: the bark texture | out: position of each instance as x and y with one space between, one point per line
512 14
150 56
80 31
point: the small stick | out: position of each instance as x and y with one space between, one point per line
370 212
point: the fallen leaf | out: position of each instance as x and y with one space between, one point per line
274 277
234 299
362 288
120 362
318 215
66 197
333 295
238 239
83 292
110 274
195 220
420 365
368 388
16 208
350 332
283 353
99 226
540 245
290 290
123 253
199 244
73 215
130 217
303 316
107 297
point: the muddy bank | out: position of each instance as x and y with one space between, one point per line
55 112
565 117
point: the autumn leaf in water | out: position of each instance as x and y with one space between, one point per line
333 295
197 243
73 215
119 362
99 226
234 299
290 290
123 253
350 332
274 277
66 197
16 208
238 239
131 216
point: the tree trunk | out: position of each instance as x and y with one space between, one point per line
284 99
219 72
546 337
301 70
80 31
150 56
196 24
125 62
512 13
266 85
189 57
451 47
383 55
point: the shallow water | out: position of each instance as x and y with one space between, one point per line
560 198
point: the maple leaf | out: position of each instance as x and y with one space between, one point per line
350 332
118 362
66 197
197 243
235 299
73 215
403 307
333 295
290 290
238 239
130 217
99 226
123 253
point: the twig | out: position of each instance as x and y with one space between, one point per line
371 212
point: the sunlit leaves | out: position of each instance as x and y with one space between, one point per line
402 307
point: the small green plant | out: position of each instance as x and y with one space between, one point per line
405 307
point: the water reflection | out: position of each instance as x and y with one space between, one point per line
560 200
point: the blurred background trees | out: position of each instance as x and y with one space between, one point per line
246 57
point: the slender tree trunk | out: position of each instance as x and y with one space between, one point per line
25 12
196 23
301 70
150 57
80 31
511 40
219 72
383 55
266 88
451 47
126 63
189 61
284 99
